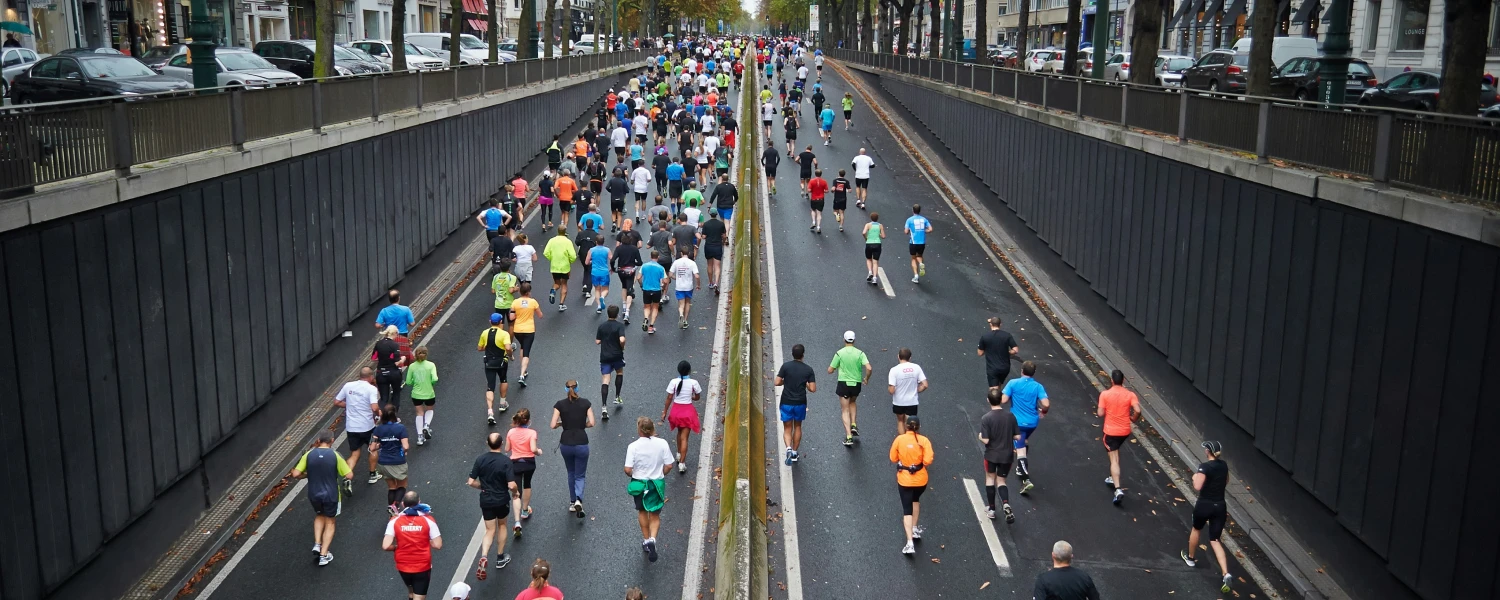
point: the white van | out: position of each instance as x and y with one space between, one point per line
471 50
1282 48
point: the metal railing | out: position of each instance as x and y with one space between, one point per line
1442 154
45 143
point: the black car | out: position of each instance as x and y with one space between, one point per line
1218 71
82 76
297 56
1298 78
158 56
1418 90
88 51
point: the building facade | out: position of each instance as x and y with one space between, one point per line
1393 35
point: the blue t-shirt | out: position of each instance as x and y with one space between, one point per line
827 118
1025 396
493 218
590 221
622 109
661 59
710 66
770 69
390 435
674 172
635 151
599 261
397 315
651 275
918 225
700 110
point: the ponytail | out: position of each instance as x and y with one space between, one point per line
572 386
540 571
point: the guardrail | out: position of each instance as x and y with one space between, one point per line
1443 154
46 143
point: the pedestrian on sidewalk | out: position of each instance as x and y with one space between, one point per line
999 433
493 476
1028 400
521 442
575 416
679 412
540 588
361 403
904 382
1210 510
413 535
422 376
390 440
854 370
796 381
327 477
912 453
648 459
998 348
1062 581
388 364
1119 407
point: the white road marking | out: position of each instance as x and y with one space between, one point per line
997 551
885 282
254 539
470 553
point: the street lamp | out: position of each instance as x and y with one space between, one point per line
1334 72
201 49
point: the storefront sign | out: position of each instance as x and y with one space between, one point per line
275 11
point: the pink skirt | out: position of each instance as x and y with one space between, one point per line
684 416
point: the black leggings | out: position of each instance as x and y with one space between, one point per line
523 469
388 381
547 212
910 495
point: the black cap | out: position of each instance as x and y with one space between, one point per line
1213 447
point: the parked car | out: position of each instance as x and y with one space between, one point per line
1169 69
86 51
383 51
83 76
1054 64
1086 62
471 50
1117 68
1218 71
513 49
1283 49
297 56
1298 78
1418 90
158 56
1493 112
13 62
367 57
237 67
1036 60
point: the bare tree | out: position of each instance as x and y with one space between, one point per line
1143 46
398 35
904 9
866 43
1022 34
1071 32
455 29
551 32
1261 38
526 30
957 29
935 33
1465 24
323 36
565 25
981 30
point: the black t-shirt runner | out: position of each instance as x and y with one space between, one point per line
1064 583
770 158
610 349
493 472
504 248
574 416
996 344
795 375
840 189
805 160
627 259
1215 479
999 427
629 237
713 233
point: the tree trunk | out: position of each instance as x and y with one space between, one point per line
1147 30
1465 24
981 31
1071 33
935 32
550 33
1261 38
1021 33
866 43
565 23
323 34
903 36
455 29
526 30
957 29
398 35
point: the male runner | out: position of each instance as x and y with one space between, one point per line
917 228
492 476
625 261
560 253
841 199
675 173
1030 404
1119 407
862 165
598 260
591 221
796 381
493 219
904 382
724 197
361 402
826 117
496 345
999 433
853 369
767 112
790 124
817 190
806 163
618 188
413 535
327 476
998 348
713 235
652 275
1210 480
648 459
524 312
685 272
769 159
610 337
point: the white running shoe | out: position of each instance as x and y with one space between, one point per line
909 549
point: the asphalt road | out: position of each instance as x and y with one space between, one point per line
595 557
849 516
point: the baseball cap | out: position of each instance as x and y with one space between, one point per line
1214 447
849 335
459 591
495 318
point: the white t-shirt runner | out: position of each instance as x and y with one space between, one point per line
357 397
641 178
767 112
682 390
683 271
648 458
862 165
905 377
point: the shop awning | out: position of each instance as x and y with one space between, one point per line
479 25
1182 9
478 7
1234 11
1213 9
1281 8
1303 11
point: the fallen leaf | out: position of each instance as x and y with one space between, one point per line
936 560
984 585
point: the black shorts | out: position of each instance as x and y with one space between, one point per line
791 135
771 173
910 495
525 340
560 278
1211 514
494 513
424 402
627 282
847 390
916 249
840 203
639 197
324 507
713 252
817 205
674 188
417 582
640 504
1001 470
597 187
523 469
1113 442
491 375
805 175
358 440
872 251
651 296
617 206
910 411
848 114
620 152
861 183
996 377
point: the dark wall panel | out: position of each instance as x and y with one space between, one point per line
1351 347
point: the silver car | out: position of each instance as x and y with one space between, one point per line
237 68
13 62
1169 68
416 59
1117 68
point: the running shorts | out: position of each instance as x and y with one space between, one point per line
910 411
599 280
674 188
560 278
848 114
497 375
1211 514
1025 435
771 172
417 582
1113 442
358 440
617 205
651 296
564 206
794 412
639 197
996 377
523 469
606 368
424 401
325 507
1001 470
640 505
791 135
910 495
805 174
684 294
493 513
525 340
727 214
847 390
713 252
817 205
627 282
827 127
872 251
765 123
916 249
861 183
840 203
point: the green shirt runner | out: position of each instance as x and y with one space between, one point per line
502 285
872 236
420 376
850 362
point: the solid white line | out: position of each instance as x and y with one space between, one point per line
470 553
885 282
986 524
254 539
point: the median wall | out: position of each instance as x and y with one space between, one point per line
1352 346
142 333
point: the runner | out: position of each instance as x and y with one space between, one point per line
853 369
521 440
1029 404
1062 581
413 535
554 154
566 187
998 348
817 190
640 184
679 412
560 253
685 233
675 173
624 262
524 313
327 477
395 314
685 272
652 276
361 403
769 159
848 104
999 434
724 197
714 235
619 188
789 122
912 453
545 194
516 201
619 138
389 439
388 365
818 99
807 162
648 459
904 382
422 375
691 199
574 415
1119 407
840 189
539 589
825 118
1210 480
862 165
767 113
917 228
598 261
796 381
610 337
493 219
493 476
496 344
525 255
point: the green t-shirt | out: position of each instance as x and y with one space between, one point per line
420 376
692 198
872 235
501 285
765 95
850 363
848 103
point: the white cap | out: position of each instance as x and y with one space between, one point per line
459 591
849 336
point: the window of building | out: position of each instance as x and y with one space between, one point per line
1372 24
1410 31
1494 44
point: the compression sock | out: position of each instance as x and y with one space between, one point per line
603 391
1023 469
619 383
427 419
390 496
989 496
1004 494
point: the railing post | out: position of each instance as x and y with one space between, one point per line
419 90
1182 112
317 107
1044 92
1078 105
1015 85
455 83
1381 170
374 98
1124 103
237 119
994 74
119 134
1263 133
484 87
525 71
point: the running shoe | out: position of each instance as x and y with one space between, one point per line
818 230
427 431
621 402
1187 559
517 531
420 440
1110 481
1119 495
646 327
393 509
813 228
348 486
482 572
651 553
626 319
492 419
684 323
796 456
317 548
502 560
562 307
522 380
328 558
854 429
916 532
504 406
605 413
598 309
1010 516
1227 579
825 142
1026 487
681 467
579 512
915 280
848 440
526 513
374 477
990 512
922 269
652 329
909 549
788 463
552 297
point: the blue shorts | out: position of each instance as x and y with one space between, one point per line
600 280
794 412
1025 434
726 213
611 367
684 294
828 127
